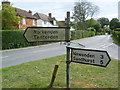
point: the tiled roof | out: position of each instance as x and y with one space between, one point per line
42 16
51 19
62 23
45 17
24 13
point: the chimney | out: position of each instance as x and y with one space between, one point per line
50 15
5 2
30 11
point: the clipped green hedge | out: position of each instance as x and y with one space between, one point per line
116 35
77 34
15 39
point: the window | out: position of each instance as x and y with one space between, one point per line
45 22
24 21
33 22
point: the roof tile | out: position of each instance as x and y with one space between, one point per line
24 13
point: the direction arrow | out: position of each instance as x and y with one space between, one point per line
92 57
36 34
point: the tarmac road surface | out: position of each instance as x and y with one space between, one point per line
22 55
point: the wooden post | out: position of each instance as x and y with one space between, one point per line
68 68
68 28
54 74
68 51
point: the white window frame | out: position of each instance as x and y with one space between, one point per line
45 22
33 21
23 21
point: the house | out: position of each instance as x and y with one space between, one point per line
26 19
44 20
61 23
52 19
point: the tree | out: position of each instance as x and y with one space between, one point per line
104 22
107 29
114 23
72 24
9 18
83 10
93 23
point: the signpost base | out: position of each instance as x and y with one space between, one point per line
68 68
54 74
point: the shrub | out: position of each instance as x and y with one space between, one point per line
77 34
15 39
116 35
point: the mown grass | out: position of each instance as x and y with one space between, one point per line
37 74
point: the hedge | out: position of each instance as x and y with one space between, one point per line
78 34
14 38
116 35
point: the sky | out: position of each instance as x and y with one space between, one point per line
58 8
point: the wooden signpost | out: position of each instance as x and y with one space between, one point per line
68 52
78 55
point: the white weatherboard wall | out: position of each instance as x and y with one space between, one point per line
54 22
42 23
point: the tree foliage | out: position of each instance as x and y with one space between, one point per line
83 10
9 18
104 22
93 23
114 23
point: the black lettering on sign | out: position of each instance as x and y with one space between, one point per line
101 56
37 32
45 32
77 59
49 32
84 55
101 61
45 37
36 37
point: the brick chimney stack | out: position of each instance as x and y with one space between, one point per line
5 2
50 15
30 11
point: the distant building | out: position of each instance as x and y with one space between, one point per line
44 20
26 19
61 23
119 10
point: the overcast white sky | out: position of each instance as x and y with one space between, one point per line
108 8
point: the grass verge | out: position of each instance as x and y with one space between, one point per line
37 74
116 41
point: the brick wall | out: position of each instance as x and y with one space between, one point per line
29 23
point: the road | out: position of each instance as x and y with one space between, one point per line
18 56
